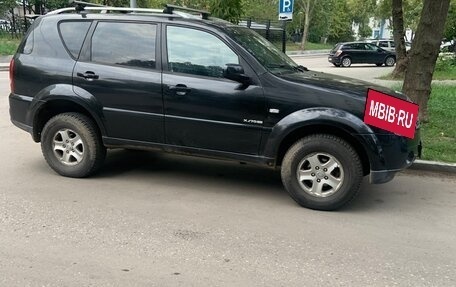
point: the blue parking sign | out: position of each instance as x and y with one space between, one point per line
286 9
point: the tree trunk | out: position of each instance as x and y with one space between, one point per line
424 53
306 24
399 39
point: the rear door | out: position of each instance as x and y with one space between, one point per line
119 65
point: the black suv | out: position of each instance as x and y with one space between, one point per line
171 81
345 54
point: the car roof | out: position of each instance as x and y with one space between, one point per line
123 13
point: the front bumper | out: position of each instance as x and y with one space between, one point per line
334 60
397 153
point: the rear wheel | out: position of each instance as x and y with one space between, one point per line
390 61
72 146
322 172
346 62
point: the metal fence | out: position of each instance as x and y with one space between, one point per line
274 31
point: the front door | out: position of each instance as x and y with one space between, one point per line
203 109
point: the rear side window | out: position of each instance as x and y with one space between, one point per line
73 34
383 44
125 44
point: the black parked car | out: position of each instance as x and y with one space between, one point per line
84 82
345 54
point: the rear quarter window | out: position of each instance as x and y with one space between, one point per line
73 34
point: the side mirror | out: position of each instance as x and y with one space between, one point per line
235 72
379 50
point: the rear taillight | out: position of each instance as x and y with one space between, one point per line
11 75
338 53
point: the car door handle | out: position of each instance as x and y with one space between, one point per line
89 75
180 89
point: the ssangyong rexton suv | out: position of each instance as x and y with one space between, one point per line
83 81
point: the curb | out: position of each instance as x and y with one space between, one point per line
308 53
434 166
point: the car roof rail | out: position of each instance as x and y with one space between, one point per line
169 11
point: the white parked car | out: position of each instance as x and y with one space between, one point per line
389 45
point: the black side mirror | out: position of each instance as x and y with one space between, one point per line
235 72
380 50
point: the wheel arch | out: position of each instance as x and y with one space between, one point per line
56 106
324 121
323 128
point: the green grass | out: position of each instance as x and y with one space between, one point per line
8 44
439 134
443 71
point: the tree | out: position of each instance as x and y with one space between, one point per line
450 27
340 23
399 39
307 6
424 53
230 10
361 12
6 5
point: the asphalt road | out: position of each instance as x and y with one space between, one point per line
366 72
150 219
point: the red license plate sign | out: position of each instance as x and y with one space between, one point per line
391 114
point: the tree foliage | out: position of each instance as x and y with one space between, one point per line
230 10
6 5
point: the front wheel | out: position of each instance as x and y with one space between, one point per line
322 172
346 62
72 145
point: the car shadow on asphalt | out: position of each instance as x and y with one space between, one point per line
214 176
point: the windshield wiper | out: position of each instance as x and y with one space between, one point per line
302 68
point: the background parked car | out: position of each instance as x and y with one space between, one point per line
389 45
345 54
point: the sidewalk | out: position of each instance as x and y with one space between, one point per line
4 63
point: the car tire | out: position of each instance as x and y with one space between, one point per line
322 172
346 62
390 61
72 145
379 64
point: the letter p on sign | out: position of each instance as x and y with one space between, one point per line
390 113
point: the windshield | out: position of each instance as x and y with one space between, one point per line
263 50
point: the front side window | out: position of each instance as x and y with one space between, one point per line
125 44
196 52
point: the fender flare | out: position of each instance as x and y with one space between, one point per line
329 117
67 93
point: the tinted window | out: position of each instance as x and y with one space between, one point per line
370 47
392 45
73 34
196 52
347 47
127 44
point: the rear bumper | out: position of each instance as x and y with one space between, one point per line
19 109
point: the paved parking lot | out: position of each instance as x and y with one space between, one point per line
150 219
